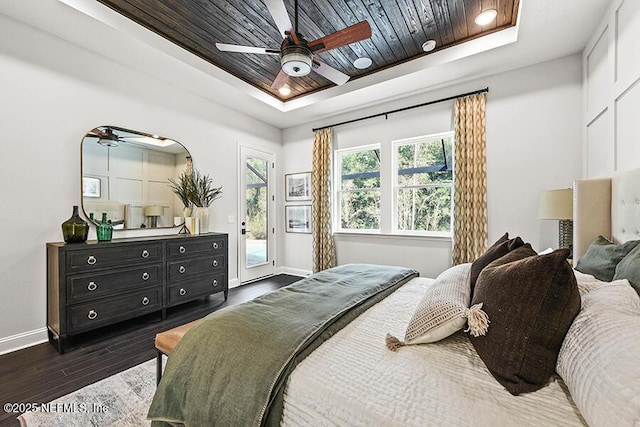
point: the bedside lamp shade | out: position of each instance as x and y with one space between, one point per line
558 204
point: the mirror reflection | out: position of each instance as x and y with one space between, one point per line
125 174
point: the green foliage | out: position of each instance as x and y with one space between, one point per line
195 189
183 188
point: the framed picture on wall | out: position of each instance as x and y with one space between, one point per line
90 187
298 218
298 186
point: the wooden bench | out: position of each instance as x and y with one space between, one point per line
166 341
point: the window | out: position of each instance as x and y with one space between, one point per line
358 188
405 187
423 184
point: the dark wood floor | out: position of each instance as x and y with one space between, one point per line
39 374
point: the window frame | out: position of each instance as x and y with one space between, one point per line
396 187
337 190
388 189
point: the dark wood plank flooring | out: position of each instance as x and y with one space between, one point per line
39 374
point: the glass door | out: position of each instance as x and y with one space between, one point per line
256 218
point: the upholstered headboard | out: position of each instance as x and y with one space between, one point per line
606 206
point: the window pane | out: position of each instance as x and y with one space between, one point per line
360 210
425 162
424 209
360 169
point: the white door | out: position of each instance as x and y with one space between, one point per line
256 217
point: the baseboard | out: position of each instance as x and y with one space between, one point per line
293 271
23 340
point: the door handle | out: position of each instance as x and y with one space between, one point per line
243 230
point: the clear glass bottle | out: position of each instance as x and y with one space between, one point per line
75 229
104 230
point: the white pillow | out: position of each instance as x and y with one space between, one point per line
443 310
599 356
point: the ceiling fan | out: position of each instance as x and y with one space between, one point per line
106 138
297 55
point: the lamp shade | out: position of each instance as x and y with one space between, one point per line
153 210
556 204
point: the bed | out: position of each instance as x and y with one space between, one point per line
355 371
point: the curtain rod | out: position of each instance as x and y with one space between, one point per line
462 95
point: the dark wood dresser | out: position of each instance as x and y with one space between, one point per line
96 284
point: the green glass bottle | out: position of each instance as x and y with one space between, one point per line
104 230
75 229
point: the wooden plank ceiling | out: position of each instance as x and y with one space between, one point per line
399 28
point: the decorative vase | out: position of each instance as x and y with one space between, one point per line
187 211
75 229
104 229
202 213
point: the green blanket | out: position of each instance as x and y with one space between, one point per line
231 368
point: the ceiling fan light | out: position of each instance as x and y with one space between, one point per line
109 139
296 61
486 17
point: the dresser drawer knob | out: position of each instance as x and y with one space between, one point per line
215 283
91 260
182 249
215 245
145 301
145 276
145 254
92 286
182 292
182 269
92 314
215 262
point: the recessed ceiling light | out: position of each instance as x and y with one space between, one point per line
285 90
362 63
429 45
486 17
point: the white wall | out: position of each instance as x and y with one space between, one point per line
611 68
533 144
52 92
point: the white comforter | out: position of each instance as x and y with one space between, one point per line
354 380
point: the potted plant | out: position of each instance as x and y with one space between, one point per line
196 189
183 188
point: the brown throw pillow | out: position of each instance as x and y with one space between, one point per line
500 248
531 303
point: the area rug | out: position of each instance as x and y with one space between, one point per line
121 400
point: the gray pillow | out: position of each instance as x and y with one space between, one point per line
629 268
603 256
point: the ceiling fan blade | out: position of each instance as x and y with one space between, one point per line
280 80
246 49
279 14
338 77
355 33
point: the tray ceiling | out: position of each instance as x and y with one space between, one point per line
399 28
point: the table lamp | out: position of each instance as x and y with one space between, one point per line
558 204
153 212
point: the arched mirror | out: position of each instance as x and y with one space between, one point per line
125 174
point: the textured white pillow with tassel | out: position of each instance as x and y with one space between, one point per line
444 310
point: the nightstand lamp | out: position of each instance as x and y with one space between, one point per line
558 204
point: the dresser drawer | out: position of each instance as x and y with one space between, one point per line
93 314
201 286
95 285
180 270
98 256
202 246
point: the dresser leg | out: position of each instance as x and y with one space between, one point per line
226 294
163 314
